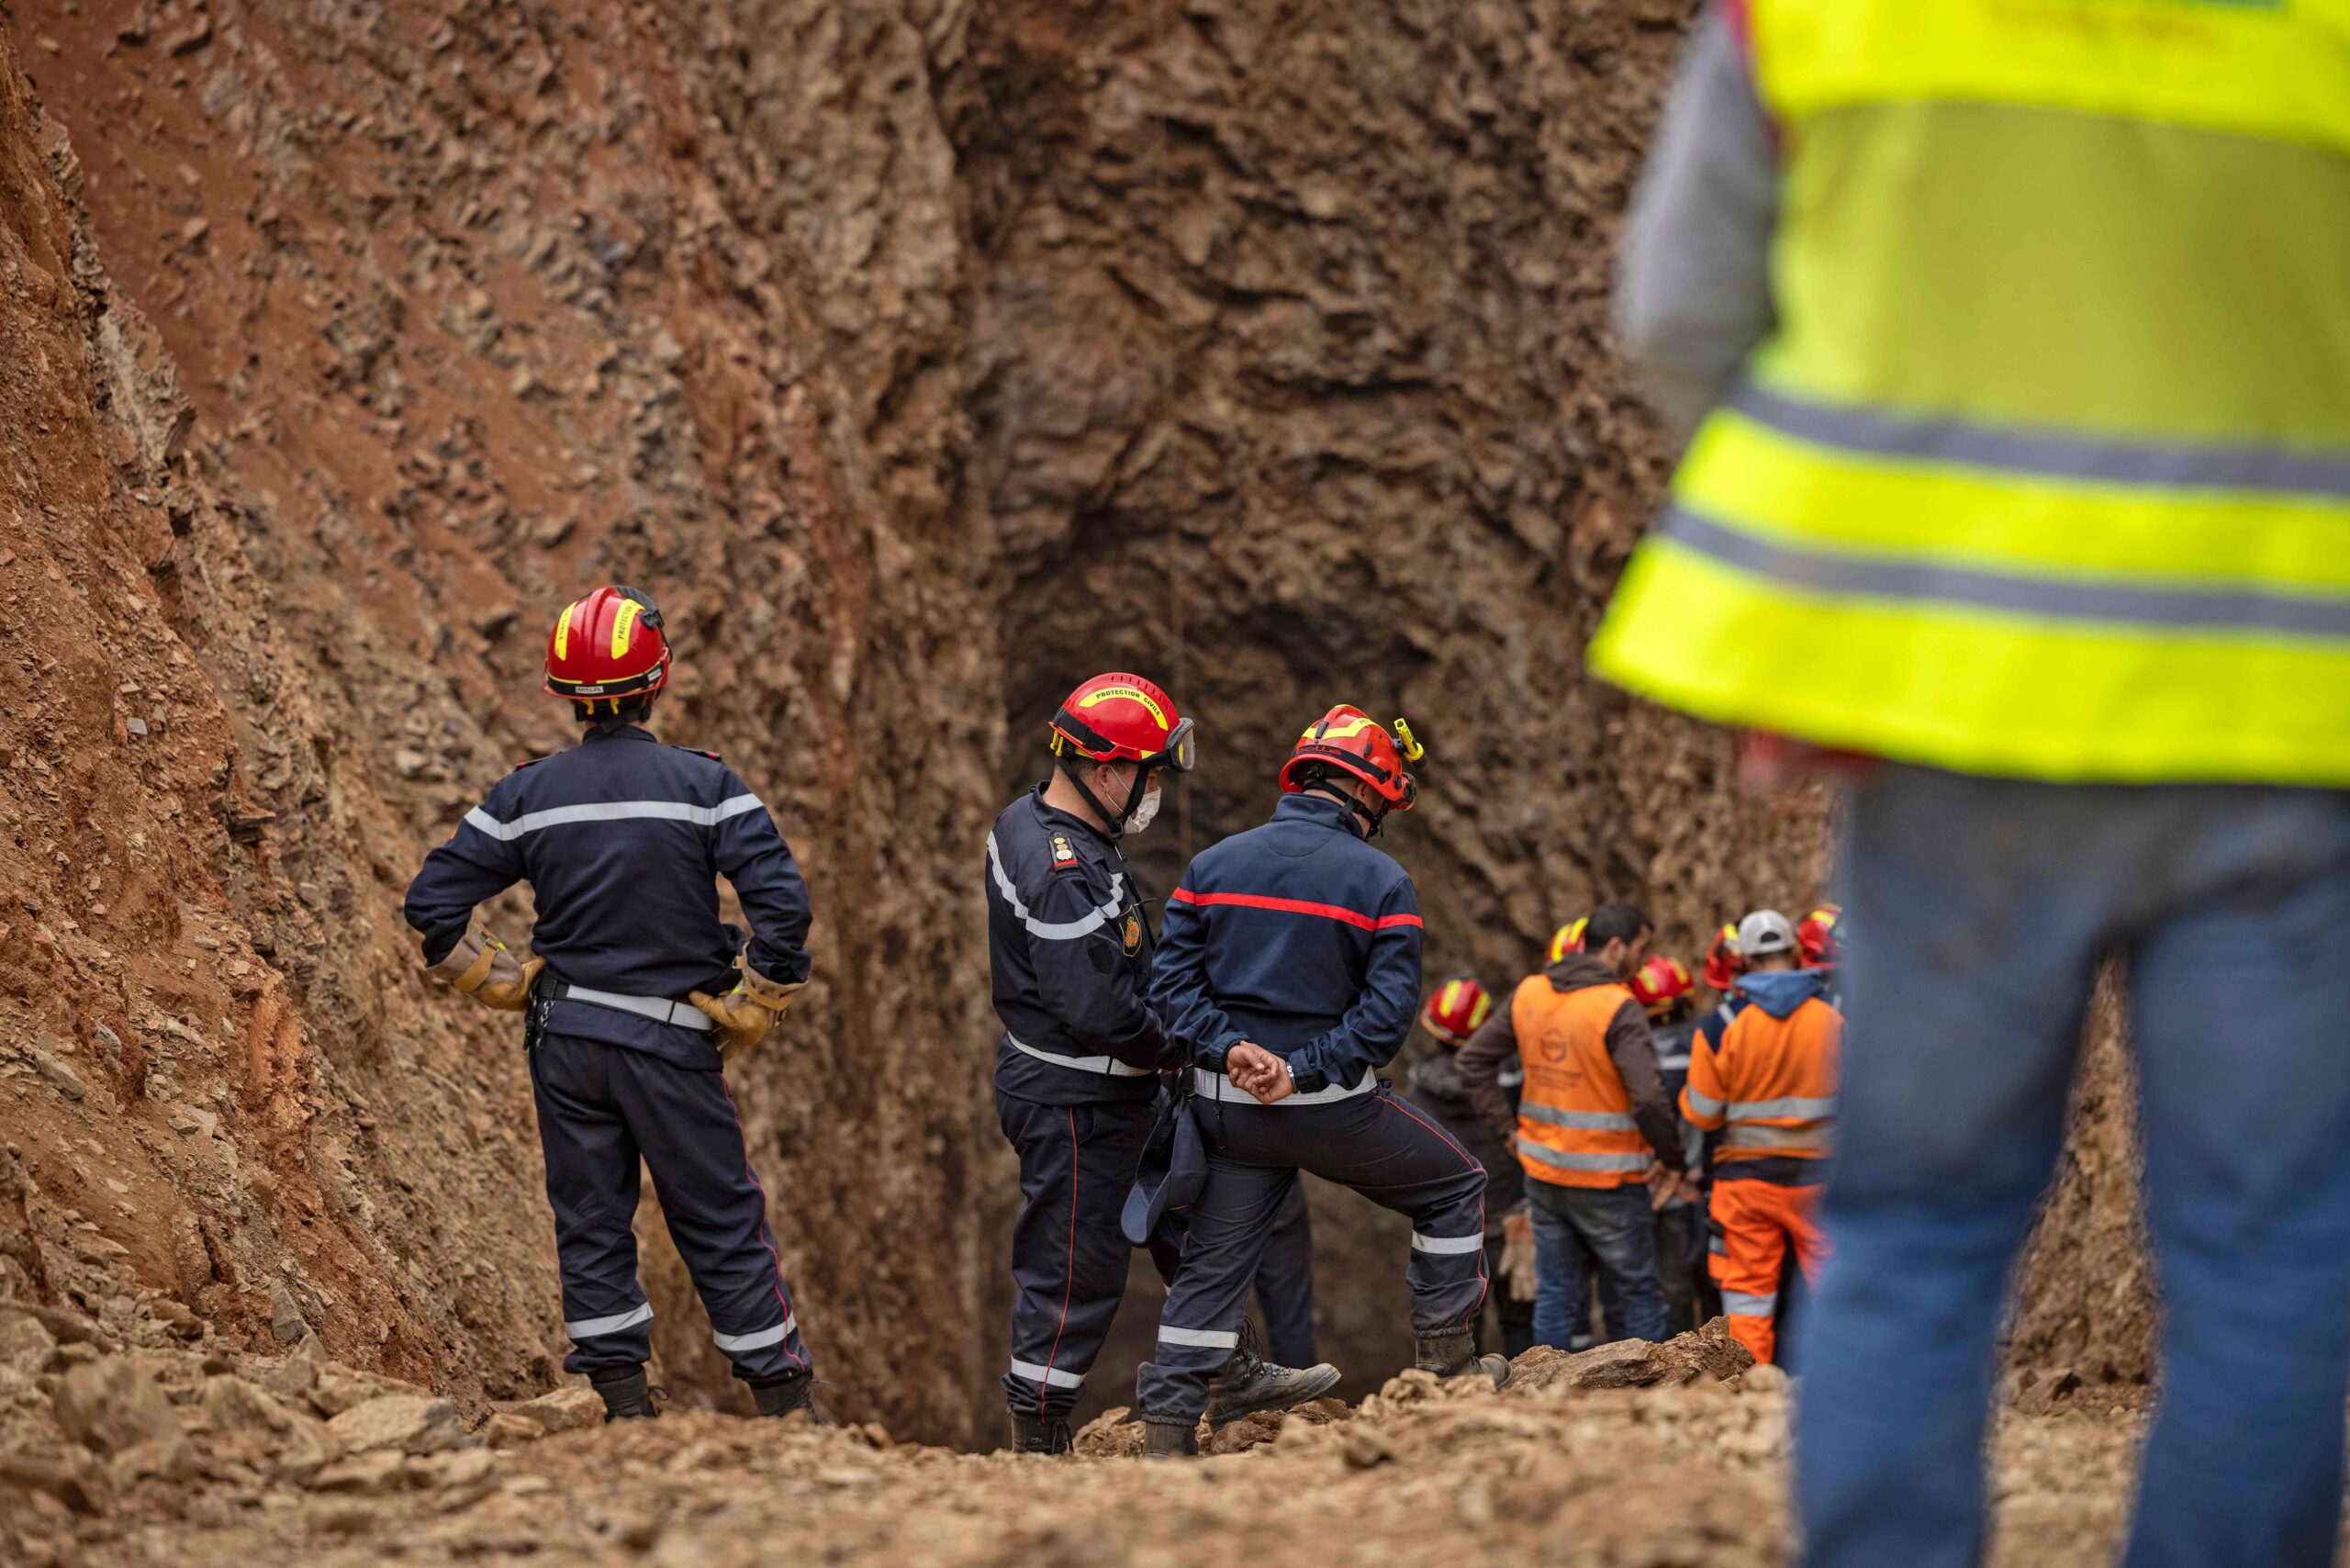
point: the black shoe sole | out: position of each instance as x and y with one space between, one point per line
1226 1416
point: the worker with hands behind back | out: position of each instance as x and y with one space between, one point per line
637 994
1289 970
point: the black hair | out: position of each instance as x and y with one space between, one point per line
1326 775
1614 923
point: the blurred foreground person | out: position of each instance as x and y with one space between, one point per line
2023 331
637 997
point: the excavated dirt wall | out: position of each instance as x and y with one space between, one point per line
924 357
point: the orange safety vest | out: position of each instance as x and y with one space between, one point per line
1770 1083
1574 1120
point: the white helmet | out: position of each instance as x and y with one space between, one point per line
1765 931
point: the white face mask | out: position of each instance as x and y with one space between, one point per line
1145 814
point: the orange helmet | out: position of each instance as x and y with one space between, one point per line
1723 965
1347 739
1123 718
1567 939
609 646
1660 983
1456 1010
1816 936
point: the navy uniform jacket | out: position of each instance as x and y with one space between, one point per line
622 840
1298 935
1071 953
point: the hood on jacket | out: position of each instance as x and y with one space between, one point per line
1578 971
1780 991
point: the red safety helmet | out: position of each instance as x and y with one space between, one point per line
1816 936
1723 965
1456 1010
1660 983
1123 718
1567 939
1347 739
609 646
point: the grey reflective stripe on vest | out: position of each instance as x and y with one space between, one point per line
1055 1376
1703 1104
1585 1121
594 1327
1544 1154
1215 1086
611 811
1203 1338
660 1008
2048 455
1793 1105
1446 1245
1673 1063
1739 1304
1110 1066
2318 614
758 1339
1754 1135
1090 921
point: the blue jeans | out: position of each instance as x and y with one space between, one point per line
1978 911
1615 1226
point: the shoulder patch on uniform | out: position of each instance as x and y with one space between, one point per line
698 751
1063 854
532 763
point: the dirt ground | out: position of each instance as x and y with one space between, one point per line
1629 1454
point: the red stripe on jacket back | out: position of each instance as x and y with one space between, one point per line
1296 906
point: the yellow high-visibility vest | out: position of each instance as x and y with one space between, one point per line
2045 471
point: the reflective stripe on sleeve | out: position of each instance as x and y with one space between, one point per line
1053 1376
1585 1121
1446 1244
1754 1135
758 1339
1703 1104
596 1327
1054 931
1544 1154
1739 1304
1809 1110
1204 1338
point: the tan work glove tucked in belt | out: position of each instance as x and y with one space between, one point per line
1518 1255
481 966
745 1014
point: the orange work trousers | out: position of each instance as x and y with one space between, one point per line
1758 1221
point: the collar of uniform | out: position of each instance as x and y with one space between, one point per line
1050 814
626 732
1335 816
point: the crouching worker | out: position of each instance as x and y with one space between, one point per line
1289 969
637 994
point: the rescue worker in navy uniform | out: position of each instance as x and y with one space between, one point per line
1289 973
637 996
1077 1067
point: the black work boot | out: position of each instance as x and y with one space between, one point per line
1039 1434
1169 1440
1454 1354
625 1394
787 1396
1249 1385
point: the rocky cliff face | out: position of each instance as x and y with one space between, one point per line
922 358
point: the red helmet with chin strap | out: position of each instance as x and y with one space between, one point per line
1123 718
608 647
1456 1010
1347 739
1660 982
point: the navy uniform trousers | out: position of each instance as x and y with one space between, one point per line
600 1108
1367 1139
1069 1256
